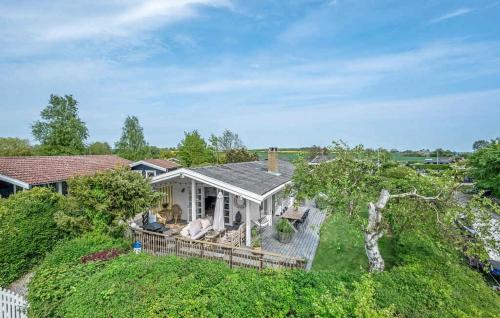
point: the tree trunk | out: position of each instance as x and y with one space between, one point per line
374 232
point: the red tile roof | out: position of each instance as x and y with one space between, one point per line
49 169
167 164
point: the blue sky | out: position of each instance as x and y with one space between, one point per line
396 74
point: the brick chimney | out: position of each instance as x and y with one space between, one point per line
272 160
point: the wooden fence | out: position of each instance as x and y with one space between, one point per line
160 244
12 305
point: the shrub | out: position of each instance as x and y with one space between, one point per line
61 271
148 286
104 201
284 226
485 164
431 282
428 167
105 255
27 231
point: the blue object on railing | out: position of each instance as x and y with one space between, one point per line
137 246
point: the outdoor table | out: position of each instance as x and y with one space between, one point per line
293 215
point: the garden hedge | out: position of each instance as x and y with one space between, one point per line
431 281
427 281
27 231
148 286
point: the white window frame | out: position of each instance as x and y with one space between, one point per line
147 172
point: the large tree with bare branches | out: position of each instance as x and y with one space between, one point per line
352 182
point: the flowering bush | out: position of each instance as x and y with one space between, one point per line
101 256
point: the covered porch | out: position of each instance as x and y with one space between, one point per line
188 197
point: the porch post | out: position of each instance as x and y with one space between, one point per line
248 225
193 200
59 187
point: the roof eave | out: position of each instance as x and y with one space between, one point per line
149 164
17 182
255 197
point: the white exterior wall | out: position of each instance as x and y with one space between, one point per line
182 198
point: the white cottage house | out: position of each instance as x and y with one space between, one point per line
253 191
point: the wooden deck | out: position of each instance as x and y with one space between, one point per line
161 244
304 243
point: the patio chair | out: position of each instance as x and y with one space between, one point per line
264 221
234 237
302 219
177 212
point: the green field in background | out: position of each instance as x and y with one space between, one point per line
284 154
293 154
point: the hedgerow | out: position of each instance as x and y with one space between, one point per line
431 281
27 231
62 270
148 286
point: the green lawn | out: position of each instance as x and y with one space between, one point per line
341 247
282 154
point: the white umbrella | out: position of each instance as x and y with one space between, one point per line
219 214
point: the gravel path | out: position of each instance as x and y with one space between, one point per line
20 286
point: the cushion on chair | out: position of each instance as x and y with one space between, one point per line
205 223
194 228
185 232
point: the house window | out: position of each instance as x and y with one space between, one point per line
263 206
150 173
227 208
200 195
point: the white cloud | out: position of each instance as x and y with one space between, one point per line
76 20
453 14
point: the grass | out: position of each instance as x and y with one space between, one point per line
282 154
341 247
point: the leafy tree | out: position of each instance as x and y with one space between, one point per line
315 151
132 144
154 152
240 155
480 144
167 153
61 132
347 183
193 150
485 164
227 141
341 183
104 201
15 147
99 148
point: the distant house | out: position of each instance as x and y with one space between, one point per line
18 173
440 161
153 167
320 159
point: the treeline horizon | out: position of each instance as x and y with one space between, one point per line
60 131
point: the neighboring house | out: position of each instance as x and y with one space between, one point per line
441 160
252 190
153 167
320 159
18 173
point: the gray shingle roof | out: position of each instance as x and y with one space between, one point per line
251 176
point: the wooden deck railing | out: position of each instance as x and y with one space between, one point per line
160 244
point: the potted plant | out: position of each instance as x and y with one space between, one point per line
256 240
285 231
